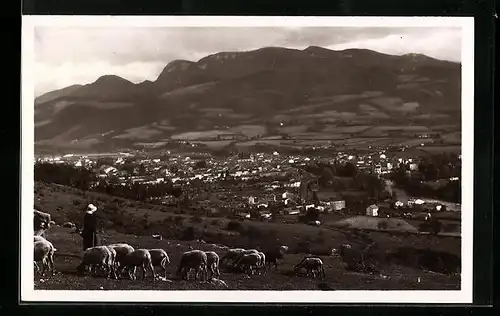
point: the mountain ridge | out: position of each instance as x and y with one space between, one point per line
234 88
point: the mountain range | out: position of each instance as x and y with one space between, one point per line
267 87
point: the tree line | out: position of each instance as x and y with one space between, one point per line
85 179
437 167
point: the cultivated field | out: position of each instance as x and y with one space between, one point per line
413 256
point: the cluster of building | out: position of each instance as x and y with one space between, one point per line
246 185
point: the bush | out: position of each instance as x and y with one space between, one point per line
168 219
302 247
424 227
189 233
382 225
179 220
77 202
234 226
453 227
196 219
252 232
113 208
215 222
320 251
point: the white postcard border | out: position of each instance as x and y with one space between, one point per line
28 294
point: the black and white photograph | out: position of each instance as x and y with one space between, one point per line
247 159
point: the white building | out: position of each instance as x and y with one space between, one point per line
399 204
372 210
337 205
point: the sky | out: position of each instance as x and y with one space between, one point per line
79 55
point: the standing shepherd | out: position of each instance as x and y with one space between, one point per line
89 231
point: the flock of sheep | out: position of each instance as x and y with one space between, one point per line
116 259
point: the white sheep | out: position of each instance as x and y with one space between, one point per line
100 256
219 283
232 255
142 258
122 250
38 238
159 258
213 263
312 265
193 259
35 239
157 236
41 222
249 262
262 260
44 253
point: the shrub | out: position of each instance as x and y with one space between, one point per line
189 233
424 227
196 219
302 247
453 227
320 251
215 222
77 202
179 220
252 232
234 226
113 208
382 225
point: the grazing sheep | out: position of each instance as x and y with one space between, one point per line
231 255
246 252
157 236
112 260
312 265
69 225
41 222
262 260
213 263
35 239
284 249
139 257
100 256
193 259
249 262
38 238
159 258
122 250
219 283
44 253
349 255
273 255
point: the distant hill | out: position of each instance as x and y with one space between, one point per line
272 84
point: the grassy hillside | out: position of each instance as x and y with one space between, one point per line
134 223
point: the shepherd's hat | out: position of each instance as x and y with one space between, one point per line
91 208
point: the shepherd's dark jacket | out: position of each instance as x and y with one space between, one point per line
89 232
